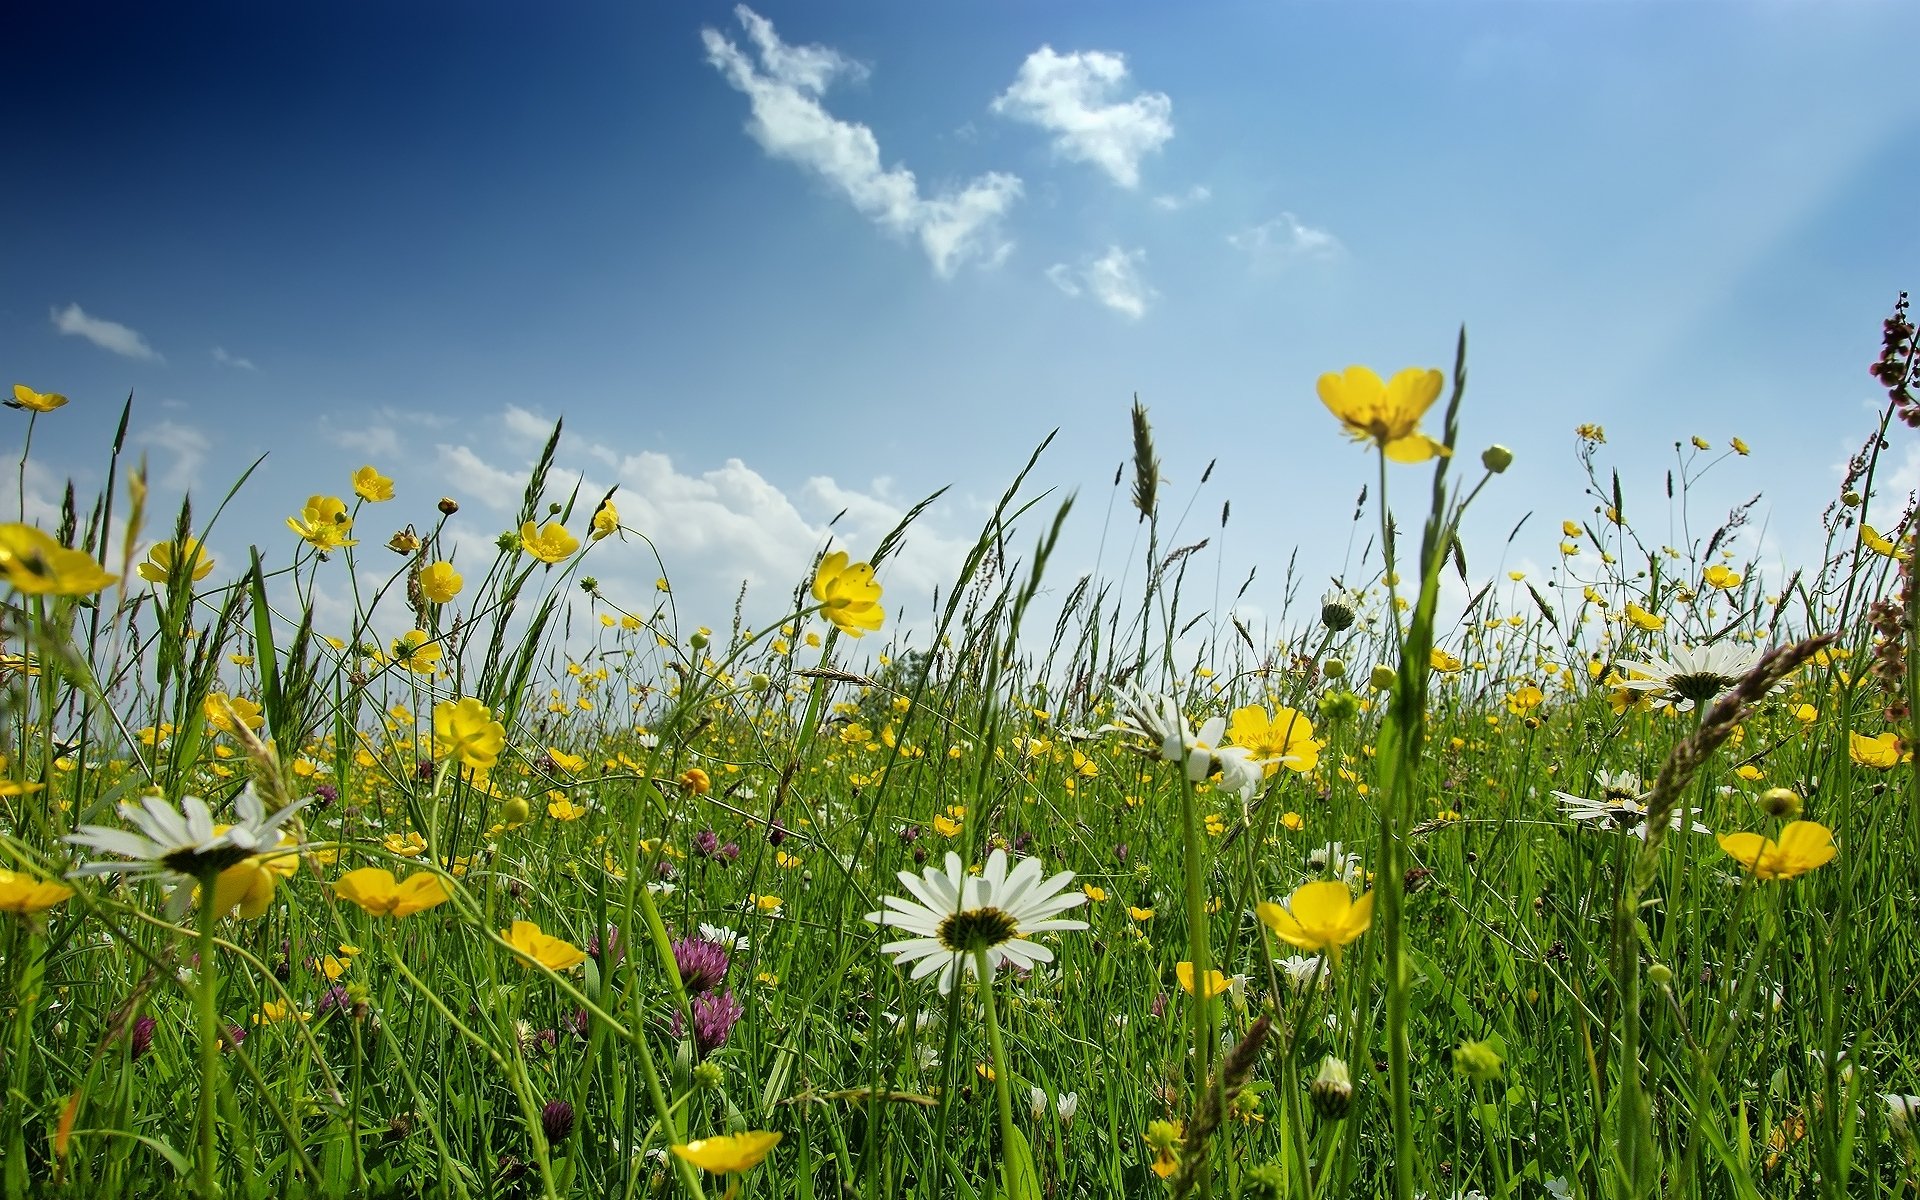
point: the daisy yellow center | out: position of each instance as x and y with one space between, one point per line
977 929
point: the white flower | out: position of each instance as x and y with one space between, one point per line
1621 804
1037 1103
1065 1105
180 845
1300 971
1332 859
958 915
1901 1110
1150 715
1692 675
1157 718
724 937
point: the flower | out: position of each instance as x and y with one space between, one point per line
550 545
1880 753
374 889
1621 804
1387 414
731 1154
1283 739
556 1121
417 652
181 845
696 781
1692 675
1878 543
222 710
1722 577
1322 915
1302 971
1216 982
606 521
187 555
958 916
22 893
1332 1089
1157 718
1478 1061
466 729
371 486
702 964
714 1016
1803 845
848 595
39 566
537 947
1164 1138
26 399
323 523
439 582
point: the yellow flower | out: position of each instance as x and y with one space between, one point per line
439 582
1387 414
1284 738
22 893
407 845
1140 914
550 952
1700 443
731 1154
696 781
272 1012
1721 577
1094 892
1642 619
1879 752
323 523
1216 982
39 566
29 400
848 595
606 521
1440 660
416 652
247 885
1322 915
565 809
1524 700
767 904
1739 447
1164 1138
466 728
946 826
222 709
1803 845
1878 543
374 889
166 557
371 486
550 545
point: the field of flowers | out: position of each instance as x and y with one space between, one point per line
564 893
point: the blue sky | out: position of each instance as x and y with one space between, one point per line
414 235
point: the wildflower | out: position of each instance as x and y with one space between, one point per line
1739 447
1215 982
702 964
731 1154
848 595
28 400
1644 620
415 651
1621 804
406 541
1337 610
550 952
1302 971
1878 543
1284 738
1803 845
439 582
606 521
1322 916
556 1121
714 1016
696 781
37 565
1333 858
374 889
1722 577
1065 1105
1164 1138
1589 432
1478 1061
1387 414
1880 752
552 544
1443 662
1496 459
958 916
1692 676
23 894
167 557
141 1039
323 523
1157 718
222 711
466 729
1780 802
371 486
1902 1111
181 845
1332 1089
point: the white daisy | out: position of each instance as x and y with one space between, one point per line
958 915
1621 804
181 845
722 936
1692 675
1157 718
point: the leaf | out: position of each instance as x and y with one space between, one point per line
1023 1181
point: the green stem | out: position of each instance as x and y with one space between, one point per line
206 992
1001 1087
1198 952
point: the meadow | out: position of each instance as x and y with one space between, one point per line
1601 886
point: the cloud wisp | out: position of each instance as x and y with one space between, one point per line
1113 279
108 335
1071 97
221 356
784 84
1283 239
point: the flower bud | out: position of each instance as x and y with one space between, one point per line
1333 668
449 506
1660 973
1496 458
1478 1061
760 681
1780 802
698 640
1850 498
1332 1089
1383 677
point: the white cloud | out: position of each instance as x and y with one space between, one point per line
230 360
108 335
789 122
1113 279
1284 238
1069 96
189 447
527 426
1175 201
480 481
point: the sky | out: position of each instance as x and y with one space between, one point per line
777 262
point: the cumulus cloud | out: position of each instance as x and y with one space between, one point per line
188 446
1113 279
108 335
1175 201
783 85
232 360
1284 238
1071 97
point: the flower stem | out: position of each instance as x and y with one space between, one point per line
1199 953
206 993
1001 1086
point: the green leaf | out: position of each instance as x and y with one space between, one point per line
1023 1181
